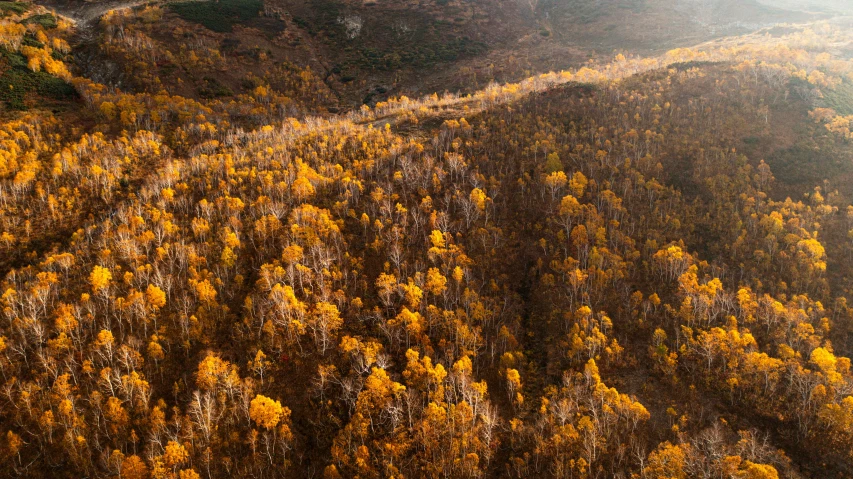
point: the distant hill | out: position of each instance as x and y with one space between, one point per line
832 6
366 51
453 44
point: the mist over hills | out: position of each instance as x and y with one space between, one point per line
838 6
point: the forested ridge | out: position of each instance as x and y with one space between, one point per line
638 268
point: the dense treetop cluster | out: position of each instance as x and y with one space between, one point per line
578 276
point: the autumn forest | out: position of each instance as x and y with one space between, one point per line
269 239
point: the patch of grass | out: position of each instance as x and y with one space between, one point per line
302 23
839 99
583 88
17 82
636 6
30 41
12 59
230 45
419 55
432 40
13 8
218 15
46 20
802 164
684 66
580 11
268 25
212 88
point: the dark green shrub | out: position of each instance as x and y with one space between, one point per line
13 8
18 81
218 15
46 20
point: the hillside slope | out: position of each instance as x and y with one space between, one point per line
636 268
362 57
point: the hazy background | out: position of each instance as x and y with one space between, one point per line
845 6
